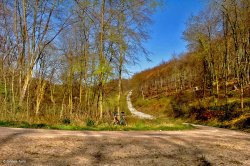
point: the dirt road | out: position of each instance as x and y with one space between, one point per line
200 146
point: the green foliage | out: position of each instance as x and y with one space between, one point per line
133 124
112 102
40 125
77 66
22 124
243 122
66 121
207 111
19 108
156 106
2 89
179 104
90 122
140 125
104 68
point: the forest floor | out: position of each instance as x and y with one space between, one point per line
201 146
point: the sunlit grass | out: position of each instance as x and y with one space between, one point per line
155 107
133 124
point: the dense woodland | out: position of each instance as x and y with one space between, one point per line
216 69
64 59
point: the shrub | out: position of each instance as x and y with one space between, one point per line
243 122
213 114
176 109
40 125
90 122
179 102
66 121
183 98
197 113
199 94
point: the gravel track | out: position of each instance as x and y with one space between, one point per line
201 146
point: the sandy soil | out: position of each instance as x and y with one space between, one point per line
200 146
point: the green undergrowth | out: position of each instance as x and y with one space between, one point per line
156 106
134 124
241 123
207 111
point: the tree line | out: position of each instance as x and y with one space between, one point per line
218 59
58 56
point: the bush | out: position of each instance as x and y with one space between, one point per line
2 89
243 122
40 125
183 98
179 104
176 108
66 121
198 113
90 122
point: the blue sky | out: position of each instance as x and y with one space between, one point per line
166 32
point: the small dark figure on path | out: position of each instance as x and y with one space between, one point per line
116 120
122 119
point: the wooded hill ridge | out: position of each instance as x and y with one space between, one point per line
214 72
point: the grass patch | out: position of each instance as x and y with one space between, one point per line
134 124
156 107
22 124
207 111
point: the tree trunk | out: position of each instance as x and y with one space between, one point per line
13 91
27 104
62 108
25 85
52 97
241 96
120 83
121 31
101 61
5 95
40 95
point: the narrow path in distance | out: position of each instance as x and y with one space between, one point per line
134 111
